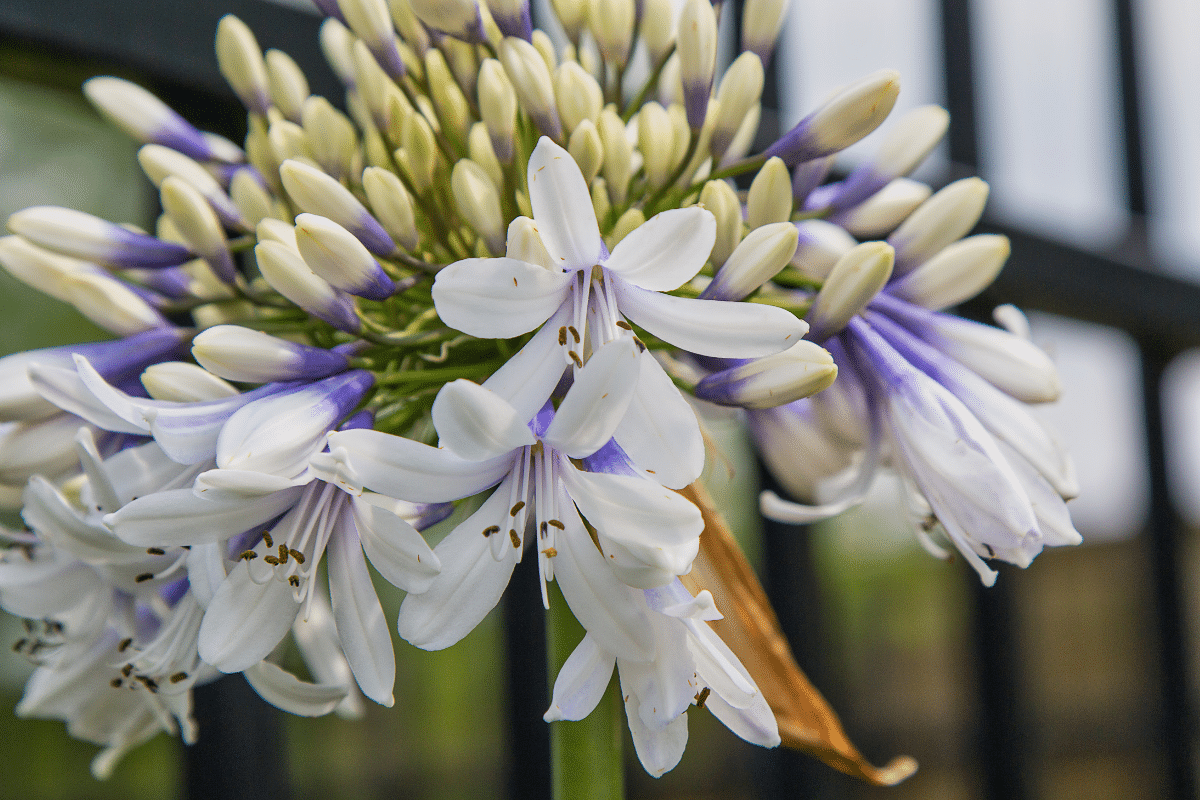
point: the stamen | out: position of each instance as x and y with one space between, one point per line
124 645
19 645
562 335
575 357
283 553
514 538
550 552
267 539
247 555
623 325
179 677
127 670
556 524
156 551
703 697
145 576
116 683
294 581
515 509
574 334
272 560
488 531
296 554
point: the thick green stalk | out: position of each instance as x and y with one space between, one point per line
585 756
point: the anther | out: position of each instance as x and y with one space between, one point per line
488 531
149 683
156 551
574 334
127 670
294 581
641 345
991 552
514 538
19 645
562 336
556 524
267 539
702 697
116 683
575 357
550 552
179 677
296 554
248 555
28 625
283 554
513 511
145 576
272 560
124 645
624 325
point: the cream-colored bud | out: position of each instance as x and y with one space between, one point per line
696 44
479 150
802 370
317 193
43 270
770 196
478 201
331 137
337 256
957 273
572 14
463 59
371 22
542 42
398 112
287 273
600 202
854 281
944 218
181 382
392 205
658 28
821 245
681 137
720 199
761 23
670 85
197 223
657 150
241 63
158 162
632 219
110 304
289 87
276 230
586 149
251 197
741 88
618 154
372 83
531 79
611 24
885 209
846 117
452 107
459 18
337 43
408 26
910 140
579 95
288 140
376 151
744 138
498 107
525 244
757 259
420 151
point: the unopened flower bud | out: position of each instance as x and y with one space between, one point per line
111 304
852 283
770 196
761 22
944 218
372 83
181 382
372 23
579 95
658 29
276 230
479 150
458 18
573 15
628 222
337 44
420 151
741 88
289 87
408 26
331 137
392 205
478 201
498 107
159 162
524 243
285 271
197 223
758 258
512 17
618 154
317 193
848 116
78 234
288 140
530 78
611 24
808 176
696 44
448 99
240 354
149 120
600 202
586 149
905 146
336 255
719 198
822 244
803 369
43 270
885 209
957 273
657 150
241 62
744 138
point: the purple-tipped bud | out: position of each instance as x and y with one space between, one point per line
78 234
807 176
318 193
333 253
512 17
803 369
240 354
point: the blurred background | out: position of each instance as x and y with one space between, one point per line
1072 679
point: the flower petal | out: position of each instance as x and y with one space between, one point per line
667 250
361 626
659 749
659 431
595 403
475 423
581 682
711 327
469 586
395 548
562 207
245 620
527 379
498 298
285 691
179 517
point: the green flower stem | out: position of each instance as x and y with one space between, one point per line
585 756
442 375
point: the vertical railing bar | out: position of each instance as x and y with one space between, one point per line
1131 116
528 685
959 73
